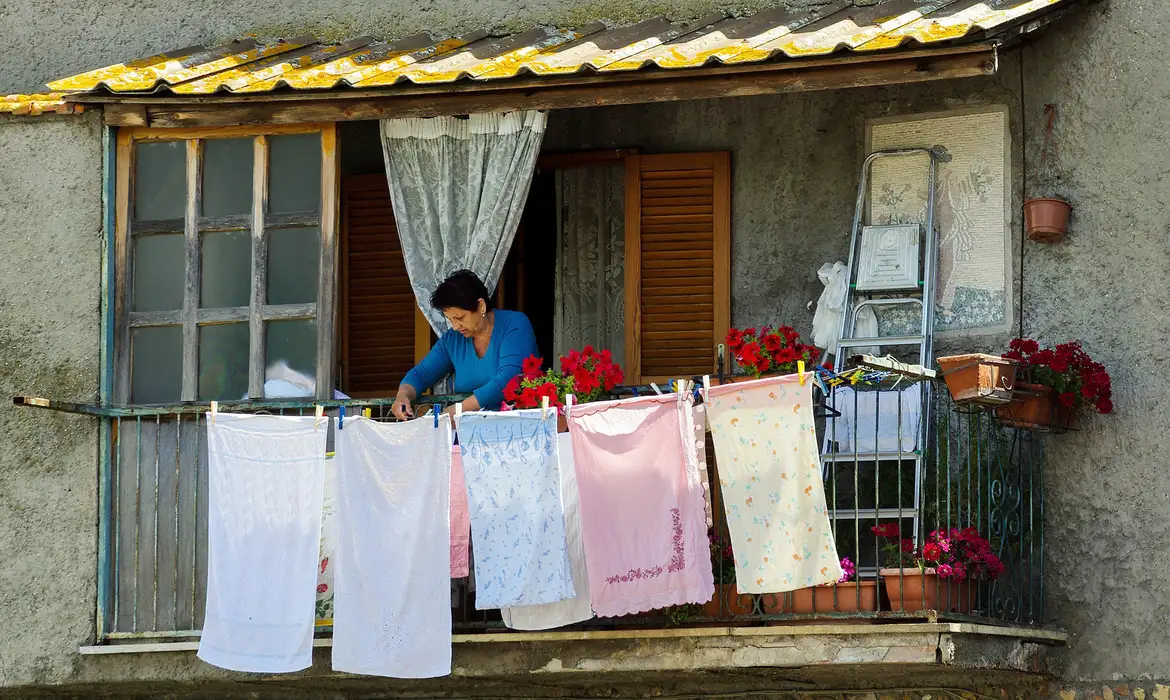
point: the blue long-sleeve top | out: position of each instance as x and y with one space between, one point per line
512 341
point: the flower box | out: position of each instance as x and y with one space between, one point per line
917 589
728 601
978 378
1034 407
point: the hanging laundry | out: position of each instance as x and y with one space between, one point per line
770 476
884 420
575 609
517 517
393 611
265 478
460 518
700 423
641 504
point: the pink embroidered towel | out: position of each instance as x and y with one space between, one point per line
770 476
642 516
460 518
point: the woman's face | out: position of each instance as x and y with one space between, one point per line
465 322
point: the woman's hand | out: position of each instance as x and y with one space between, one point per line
401 408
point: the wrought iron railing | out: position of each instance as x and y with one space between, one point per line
956 469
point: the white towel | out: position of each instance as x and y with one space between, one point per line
577 608
265 475
863 417
392 613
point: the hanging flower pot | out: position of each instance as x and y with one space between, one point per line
1046 219
1034 407
985 379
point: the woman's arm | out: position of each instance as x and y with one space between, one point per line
436 365
517 343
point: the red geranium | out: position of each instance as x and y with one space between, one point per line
532 367
587 374
1080 383
768 350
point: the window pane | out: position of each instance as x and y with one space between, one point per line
156 364
223 362
294 260
293 343
160 180
227 177
159 271
227 269
294 173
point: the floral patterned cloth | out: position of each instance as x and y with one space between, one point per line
328 546
642 515
517 516
770 474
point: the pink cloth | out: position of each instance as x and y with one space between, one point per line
460 518
642 515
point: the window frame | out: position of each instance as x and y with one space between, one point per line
258 223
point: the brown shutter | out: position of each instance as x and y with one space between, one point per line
379 313
678 263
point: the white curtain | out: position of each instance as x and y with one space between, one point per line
590 276
458 187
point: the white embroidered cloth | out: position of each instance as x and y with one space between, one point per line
575 609
517 518
393 610
770 476
265 480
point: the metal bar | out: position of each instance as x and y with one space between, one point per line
880 340
137 516
178 480
154 555
195 529
117 516
225 406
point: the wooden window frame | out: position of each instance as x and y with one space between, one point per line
190 317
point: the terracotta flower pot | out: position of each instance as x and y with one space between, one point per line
727 601
851 596
1034 407
912 590
978 378
1046 219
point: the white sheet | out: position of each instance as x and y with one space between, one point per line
875 409
265 475
392 609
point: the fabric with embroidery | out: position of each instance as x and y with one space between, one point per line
770 478
575 609
642 513
393 607
517 516
265 478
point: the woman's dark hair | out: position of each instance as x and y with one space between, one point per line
461 290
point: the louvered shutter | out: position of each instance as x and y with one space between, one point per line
379 313
678 263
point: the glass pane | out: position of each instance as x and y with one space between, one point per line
159 271
227 177
156 364
293 343
294 261
227 269
223 362
160 180
294 173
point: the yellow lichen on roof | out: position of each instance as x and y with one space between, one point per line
35 105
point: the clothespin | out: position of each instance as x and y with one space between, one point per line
341 418
318 412
635 391
367 413
800 370
821 383
655 388
437 412
544 407
568 405
706 388
214 411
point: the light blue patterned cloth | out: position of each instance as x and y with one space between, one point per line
517 516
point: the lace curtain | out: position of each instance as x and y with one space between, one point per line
458 187
590 275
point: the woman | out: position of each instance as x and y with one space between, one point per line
485 348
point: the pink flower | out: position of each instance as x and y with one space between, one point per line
944 571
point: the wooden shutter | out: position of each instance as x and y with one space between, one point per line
379 314
678 263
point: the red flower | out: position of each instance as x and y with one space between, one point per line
1104 405
587 351
321 588
750 354
735 340
931 552
585 381
529 398
532 367
324 563
886 530
773 342
606 356
512 390
550 390
1068 399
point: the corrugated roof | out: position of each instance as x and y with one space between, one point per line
246 67
36 105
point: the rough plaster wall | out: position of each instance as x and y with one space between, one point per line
64 37
795 164
50 213
1108 534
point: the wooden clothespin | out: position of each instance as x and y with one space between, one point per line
544 407
706 388
318 412
569 398
214 411
800 370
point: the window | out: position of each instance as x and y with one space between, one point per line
225 263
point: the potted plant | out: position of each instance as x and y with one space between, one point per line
942 574
768 350
588 375
979 378
1046 218
727 600
848 594
1065 382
